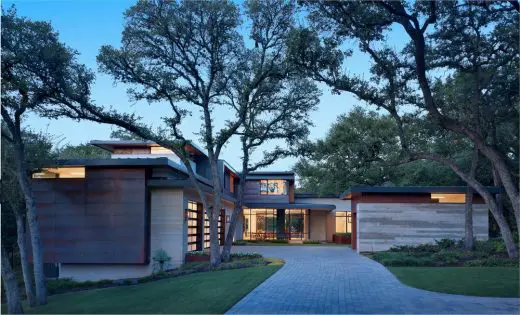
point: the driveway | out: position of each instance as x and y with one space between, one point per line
334 279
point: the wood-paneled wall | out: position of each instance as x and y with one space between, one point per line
97 219
252 194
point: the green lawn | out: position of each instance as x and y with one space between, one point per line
206 292
478 281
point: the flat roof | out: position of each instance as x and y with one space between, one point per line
271 205
110 145
270 175
314 195
410 190
126 162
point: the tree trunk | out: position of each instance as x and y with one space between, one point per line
24 259
228 242
494 156
512 250
14 303
214 214
32 221
468 220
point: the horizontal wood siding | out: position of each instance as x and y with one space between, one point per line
252 194
98 219
383 225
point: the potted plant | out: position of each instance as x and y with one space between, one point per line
196 256
342 238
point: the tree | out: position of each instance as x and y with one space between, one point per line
123 134
38 72
14 303
38 147
81 151
396 84
276 99
362 148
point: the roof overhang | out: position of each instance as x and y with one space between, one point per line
129 162
315 206
111 145
347 194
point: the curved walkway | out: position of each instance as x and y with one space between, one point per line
334 279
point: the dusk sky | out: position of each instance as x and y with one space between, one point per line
86 25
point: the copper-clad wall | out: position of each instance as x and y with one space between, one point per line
99 219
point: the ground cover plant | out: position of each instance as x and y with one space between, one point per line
445 252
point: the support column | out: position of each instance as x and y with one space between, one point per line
280 224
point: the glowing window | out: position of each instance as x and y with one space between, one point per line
343 222
273 187
160 150
61 172
449 198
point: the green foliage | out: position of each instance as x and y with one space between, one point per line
311 242
245 255
277 241
82 151
447 252
361 148
347 234
239 243
160 258
196 253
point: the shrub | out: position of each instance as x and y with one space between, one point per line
196 253
446 257
239 242
348 234
402 259
278 241
160 258
311 242
445 243
422 248
245 255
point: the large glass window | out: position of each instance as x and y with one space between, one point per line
273 187
263 224
343 222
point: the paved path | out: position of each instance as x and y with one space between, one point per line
334 279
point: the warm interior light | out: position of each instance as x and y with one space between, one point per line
449 198
61 172
160 150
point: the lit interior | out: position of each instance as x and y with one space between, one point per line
449 198
160 150
61 172
343 222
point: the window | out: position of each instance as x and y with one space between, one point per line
343 222
160 150
193 226
61 172
260 224
449 198
273 187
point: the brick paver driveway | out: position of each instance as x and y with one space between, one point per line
334 279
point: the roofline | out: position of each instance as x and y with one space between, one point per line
128 162
411 190
108 144
269 205
314 195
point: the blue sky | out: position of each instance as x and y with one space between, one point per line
86 25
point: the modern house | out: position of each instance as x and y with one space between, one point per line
105 218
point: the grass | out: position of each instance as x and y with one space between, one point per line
205 292
477 281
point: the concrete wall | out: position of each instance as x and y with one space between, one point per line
167 231
318 225
383 225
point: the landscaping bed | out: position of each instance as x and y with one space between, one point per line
277 243
238 261
443 253
211 292
446 267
